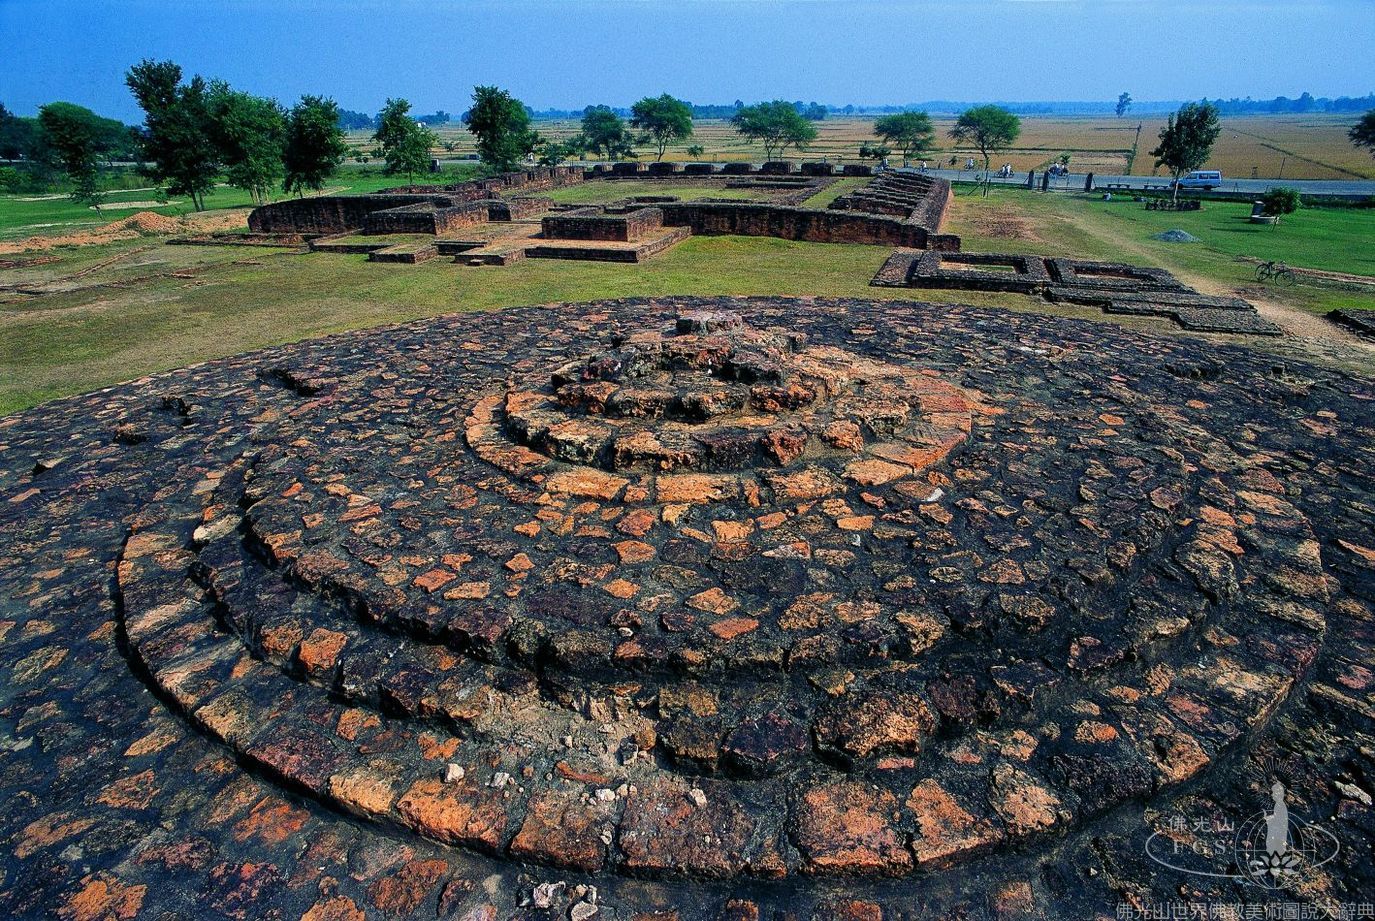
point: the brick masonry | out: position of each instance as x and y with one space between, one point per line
805 224
597 224
328 214
1116 288
366 627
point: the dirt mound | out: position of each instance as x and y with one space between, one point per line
143 222
1175 236
140 223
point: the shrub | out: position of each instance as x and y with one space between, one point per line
1281 200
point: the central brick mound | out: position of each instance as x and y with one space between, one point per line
717 570
720 602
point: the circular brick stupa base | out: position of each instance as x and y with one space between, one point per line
711 607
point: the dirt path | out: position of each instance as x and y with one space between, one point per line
1308 334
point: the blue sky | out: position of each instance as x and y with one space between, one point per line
569 53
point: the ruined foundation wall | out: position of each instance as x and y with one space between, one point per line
808 225
595 224
325 214
337 213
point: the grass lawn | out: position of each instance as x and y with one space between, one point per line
32 215
240 299
836 189
1339 240
109 313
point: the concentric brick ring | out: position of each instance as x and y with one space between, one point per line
779 665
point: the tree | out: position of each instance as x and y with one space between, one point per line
18 136
175 139
314 145
664 119
250 133
405 142
777 125
695 150
501 125
1362 134
604 134
989 129
355 121
814 112
1187 139
1281 200
555 153
1124 102
868 151
75 139
910 132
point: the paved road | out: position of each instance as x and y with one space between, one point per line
1075 181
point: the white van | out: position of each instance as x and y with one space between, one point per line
1207 179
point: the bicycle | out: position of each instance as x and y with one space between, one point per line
1276 272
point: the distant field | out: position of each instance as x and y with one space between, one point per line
1292 146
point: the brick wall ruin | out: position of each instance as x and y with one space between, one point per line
328 214
322 215
919 199
804 224
601 224
898 210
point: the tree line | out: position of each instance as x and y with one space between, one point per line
197 132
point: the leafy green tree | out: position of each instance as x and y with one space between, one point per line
175 139
1362 134
501 124
695 150
910 132
1187 139
314 145
777 125
664 119
1124 102
18 136
406 143
1281 200
869 151
604 134
350 120
556 153
75 139
989 129
250 132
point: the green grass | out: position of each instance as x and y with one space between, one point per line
1334 239
79 334
74 342
836 189
1338 240
48 216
